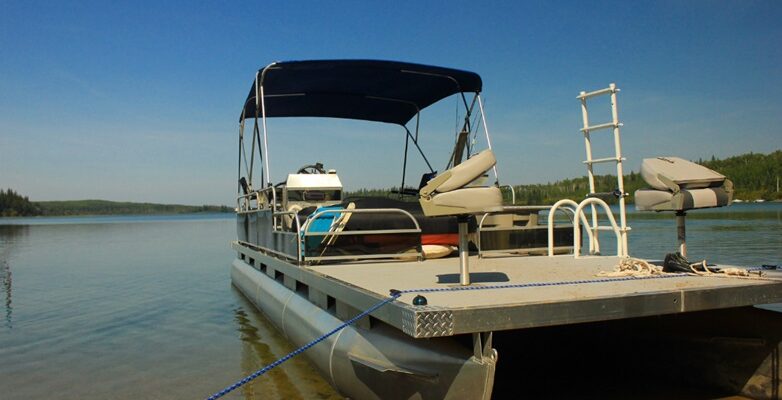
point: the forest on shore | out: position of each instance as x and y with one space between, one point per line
755 177
13 204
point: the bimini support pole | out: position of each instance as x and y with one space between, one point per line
486 130
260 104
242 154
267 173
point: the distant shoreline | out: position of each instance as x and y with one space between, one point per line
160 214
68 208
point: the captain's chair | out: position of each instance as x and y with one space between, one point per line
679 185
450 193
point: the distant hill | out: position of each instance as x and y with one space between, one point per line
13 204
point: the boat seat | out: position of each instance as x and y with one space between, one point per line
684 199
450 193
681 185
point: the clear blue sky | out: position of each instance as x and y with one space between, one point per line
139 101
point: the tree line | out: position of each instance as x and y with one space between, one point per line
755 176
13 204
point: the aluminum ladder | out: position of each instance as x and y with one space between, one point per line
620 193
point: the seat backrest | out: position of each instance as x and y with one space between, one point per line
674 173
462 174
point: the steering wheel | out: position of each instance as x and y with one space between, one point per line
316 168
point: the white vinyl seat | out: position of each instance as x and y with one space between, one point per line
450 193
681 185
682 200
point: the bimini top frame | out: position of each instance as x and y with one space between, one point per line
370 90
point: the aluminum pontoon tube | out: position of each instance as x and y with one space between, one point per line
377 363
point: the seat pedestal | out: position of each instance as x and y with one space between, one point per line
464 251
681 232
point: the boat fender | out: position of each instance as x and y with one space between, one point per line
432 251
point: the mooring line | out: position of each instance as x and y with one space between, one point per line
395 294
301 349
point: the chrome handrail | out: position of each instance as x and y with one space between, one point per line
551 215
361 211
620 248
295 216
507 210
244 202
307 233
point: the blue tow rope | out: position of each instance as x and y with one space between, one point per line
395 294
301 349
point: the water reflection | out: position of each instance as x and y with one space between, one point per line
5 274
262 344
255 354
9 236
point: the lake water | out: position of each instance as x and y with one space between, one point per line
143 307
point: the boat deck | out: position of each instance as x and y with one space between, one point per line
568 301
572 291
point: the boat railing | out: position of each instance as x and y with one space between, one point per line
255 200
579 217
499 232
287 234
620 248
512 193
567 205
317 246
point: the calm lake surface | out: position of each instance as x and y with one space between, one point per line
143 307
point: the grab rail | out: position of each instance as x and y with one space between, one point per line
512 193
361 211
244 202
576 232
295 217
620 248
505 210
305 232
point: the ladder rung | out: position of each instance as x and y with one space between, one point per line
600 92
602 160
601 126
